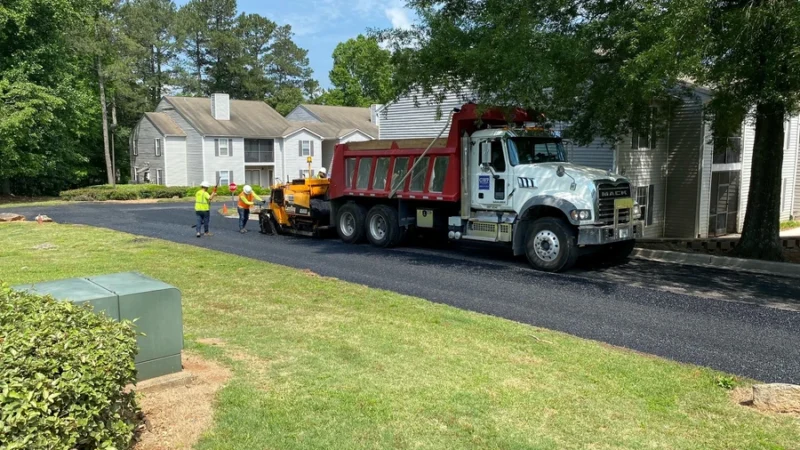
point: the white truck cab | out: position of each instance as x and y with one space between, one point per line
518 188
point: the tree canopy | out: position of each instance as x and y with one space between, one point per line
361 74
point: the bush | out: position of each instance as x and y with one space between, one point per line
143 191
62 374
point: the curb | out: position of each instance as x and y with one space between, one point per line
720 262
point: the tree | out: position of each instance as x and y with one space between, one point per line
47 103
255 34
600 65
193 37
361 74
288 70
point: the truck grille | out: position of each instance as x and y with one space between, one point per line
606 193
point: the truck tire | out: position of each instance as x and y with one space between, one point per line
550 245
350 223
383 226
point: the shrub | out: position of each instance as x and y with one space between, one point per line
62 374
143 191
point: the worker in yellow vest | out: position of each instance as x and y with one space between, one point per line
202 207
245 202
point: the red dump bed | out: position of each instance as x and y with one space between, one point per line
375 168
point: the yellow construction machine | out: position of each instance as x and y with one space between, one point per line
298 207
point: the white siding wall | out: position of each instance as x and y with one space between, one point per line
402 119
213 163
644 167
175 161
683 166
194 144
706 169
789 168
295 162
748 140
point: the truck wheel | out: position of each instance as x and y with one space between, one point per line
620 251
383 227
350 223
550 245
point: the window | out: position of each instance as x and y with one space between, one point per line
727 150
135 147
224 178
439 172
159 176
643 135
364 168
259 150
223 147
783 194
787 133
381 172
724 204
400 170
418 175
645 198
498 159
525 150
305 148
158 144
350 170
304 173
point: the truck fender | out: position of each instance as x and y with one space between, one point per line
554 207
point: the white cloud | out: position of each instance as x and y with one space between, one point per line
399 17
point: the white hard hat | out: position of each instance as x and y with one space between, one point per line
204 184
322 170
247 189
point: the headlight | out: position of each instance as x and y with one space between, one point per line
580 214
637 212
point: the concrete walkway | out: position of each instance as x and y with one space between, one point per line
793 233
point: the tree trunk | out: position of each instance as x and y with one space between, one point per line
102 84
761 232
113 138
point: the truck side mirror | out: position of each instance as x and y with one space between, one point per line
486 152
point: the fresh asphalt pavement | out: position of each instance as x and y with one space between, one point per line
741 323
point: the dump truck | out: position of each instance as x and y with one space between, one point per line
499 177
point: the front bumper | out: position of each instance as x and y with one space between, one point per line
599 235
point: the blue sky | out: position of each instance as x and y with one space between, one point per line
321 24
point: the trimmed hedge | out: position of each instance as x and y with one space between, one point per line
142 191
63 369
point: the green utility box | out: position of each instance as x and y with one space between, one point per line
155 305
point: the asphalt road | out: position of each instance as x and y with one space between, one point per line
741 323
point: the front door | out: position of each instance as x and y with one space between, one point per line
253 177
489 177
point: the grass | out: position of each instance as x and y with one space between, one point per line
789 224
321 363
20 202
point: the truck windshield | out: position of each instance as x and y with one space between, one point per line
527 150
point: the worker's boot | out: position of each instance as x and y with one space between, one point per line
198 234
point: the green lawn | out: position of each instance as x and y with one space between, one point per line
320 363
21 203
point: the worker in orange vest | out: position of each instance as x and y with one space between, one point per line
246 198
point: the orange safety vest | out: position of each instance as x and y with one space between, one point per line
249 199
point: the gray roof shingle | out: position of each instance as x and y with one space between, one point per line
249 118
164 124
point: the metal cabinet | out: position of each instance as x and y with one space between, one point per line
155 305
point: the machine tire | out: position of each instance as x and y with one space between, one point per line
383 226
355 216
551 245
620 251
267 224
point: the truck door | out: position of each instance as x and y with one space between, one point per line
489 173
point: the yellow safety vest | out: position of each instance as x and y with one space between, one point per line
202 201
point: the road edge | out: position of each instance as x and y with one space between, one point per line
719 262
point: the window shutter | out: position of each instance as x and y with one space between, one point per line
299 148
217 178
230 147
312 148
230 176
216 149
